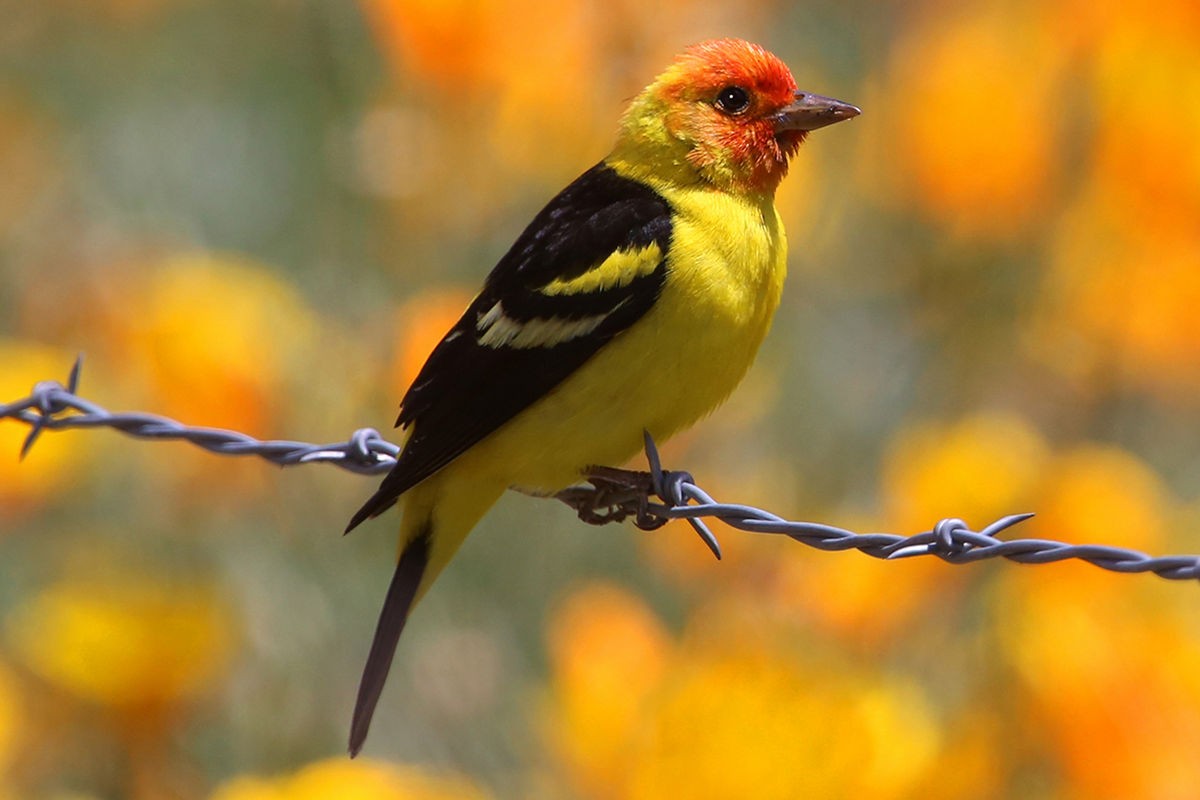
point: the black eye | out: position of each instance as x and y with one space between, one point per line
733 100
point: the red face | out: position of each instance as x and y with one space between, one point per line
739 106
731 93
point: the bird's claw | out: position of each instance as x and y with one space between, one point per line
618 494
614 496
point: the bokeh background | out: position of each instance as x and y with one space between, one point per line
262 215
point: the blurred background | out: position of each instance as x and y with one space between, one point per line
262 216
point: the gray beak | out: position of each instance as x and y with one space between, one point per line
812 111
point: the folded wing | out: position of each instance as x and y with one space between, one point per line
589 265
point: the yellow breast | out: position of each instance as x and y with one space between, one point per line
727 265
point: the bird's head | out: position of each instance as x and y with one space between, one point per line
728 113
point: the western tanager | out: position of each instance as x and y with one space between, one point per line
634 301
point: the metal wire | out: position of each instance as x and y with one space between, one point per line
613 496
53 406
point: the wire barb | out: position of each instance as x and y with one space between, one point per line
650 499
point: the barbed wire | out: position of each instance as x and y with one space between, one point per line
613 495
53 406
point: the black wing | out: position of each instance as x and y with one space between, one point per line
493 363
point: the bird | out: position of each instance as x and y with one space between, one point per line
633 303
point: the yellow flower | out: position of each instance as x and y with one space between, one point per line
1083 24
446 41
522 89
134 644
1118 300
55 461
728 712
1109 669
848 585
740 721
979 469
1110 664
971 107
362 779
981 757
214 338
1126 264
1148 157
608 652
1097 494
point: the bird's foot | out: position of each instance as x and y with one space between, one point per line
616 495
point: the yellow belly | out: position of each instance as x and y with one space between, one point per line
672 367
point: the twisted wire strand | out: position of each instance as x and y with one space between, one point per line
54 406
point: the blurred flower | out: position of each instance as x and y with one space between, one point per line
362 779
1101 494
1119 299
972 110
980 468
1081 24
54 462
1111 666
1146 89
608 652
729 721
977 762
139 646
446 41
205 339
1117 303
216 338
714 716
1110 675
850 586
518 87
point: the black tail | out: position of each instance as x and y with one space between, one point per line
399 600
376 504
